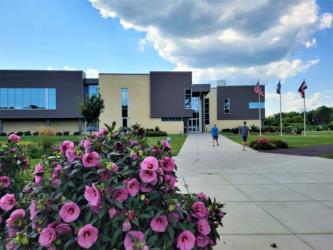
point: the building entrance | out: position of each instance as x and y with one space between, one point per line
194 124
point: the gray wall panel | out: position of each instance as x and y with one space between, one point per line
167 94
240 97
69 91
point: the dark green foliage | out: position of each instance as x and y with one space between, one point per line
92 108
262 144
279 143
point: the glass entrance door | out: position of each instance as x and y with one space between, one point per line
194 123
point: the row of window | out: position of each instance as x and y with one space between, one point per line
227 106
28 98
171 119
124 106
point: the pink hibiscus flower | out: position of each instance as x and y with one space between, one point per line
120 195
202 196
166 144
39 169
202 241
70 155
132 239
4 181
168 164
126 226
92 195
65 146
33 210
148 176
14 138
133 187
16 218
149 163
159 223
63 229
203 227
86 145
90 159
199 209
38 180
69 212
185 240
7 202
87 236
47 236
112 212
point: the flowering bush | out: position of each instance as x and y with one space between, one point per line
110 192
262 144
12 160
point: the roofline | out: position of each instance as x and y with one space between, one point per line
47 70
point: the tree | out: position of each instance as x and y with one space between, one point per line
92 108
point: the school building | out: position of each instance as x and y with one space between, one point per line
170 100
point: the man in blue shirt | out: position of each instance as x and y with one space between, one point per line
215 135
244 132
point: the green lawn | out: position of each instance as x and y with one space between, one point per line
177 141
294 141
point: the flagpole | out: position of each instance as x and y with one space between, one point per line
281 133
304 117
259 116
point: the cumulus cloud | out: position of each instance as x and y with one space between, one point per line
222 36
291 101
311 43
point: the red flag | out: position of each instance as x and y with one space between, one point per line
258 90
302 89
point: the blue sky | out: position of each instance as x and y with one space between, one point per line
293 41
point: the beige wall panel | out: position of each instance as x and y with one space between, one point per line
32 126
16 126
65 125
138 102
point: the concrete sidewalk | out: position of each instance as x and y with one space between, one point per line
270 198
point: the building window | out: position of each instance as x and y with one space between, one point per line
171 119
207 111
28 98
188 96
92 90
227 105
124 106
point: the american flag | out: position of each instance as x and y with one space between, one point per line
258 90
278 88
302 89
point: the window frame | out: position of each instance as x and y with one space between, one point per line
224 106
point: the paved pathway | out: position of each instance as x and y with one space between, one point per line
270 198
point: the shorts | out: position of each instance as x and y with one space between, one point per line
215 137
244 137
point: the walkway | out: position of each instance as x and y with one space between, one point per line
270 198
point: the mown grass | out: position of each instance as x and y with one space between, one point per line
294 141
177 141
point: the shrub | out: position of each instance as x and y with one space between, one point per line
36 133
279 143
254 129
111 192
66 133
235 130
262 144
77 133
59 134
157 129
46 131
155 133
34 151
20 133
3 134
226 130
27 133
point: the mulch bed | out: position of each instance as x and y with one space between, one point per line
307 151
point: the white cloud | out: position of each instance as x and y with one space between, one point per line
282 69
218 37
311 43
90 73
292 101
326 21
